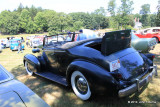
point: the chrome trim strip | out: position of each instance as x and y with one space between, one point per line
9 74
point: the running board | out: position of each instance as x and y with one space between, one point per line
53 77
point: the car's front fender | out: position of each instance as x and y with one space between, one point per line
98 78
32 60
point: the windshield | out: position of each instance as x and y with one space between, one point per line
13 42
36 41
51 40
3 74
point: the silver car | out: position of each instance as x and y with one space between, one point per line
15 94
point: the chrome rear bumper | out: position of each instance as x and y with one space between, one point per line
136 86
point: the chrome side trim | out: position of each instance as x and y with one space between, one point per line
9 74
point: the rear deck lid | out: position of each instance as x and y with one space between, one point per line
132 66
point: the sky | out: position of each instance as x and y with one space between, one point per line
68 6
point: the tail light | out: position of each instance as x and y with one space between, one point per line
116 75
150 56
153 56
119 76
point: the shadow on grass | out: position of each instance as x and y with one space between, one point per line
57 95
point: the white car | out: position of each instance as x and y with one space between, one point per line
0 48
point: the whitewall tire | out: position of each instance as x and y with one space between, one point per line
80 85
27 69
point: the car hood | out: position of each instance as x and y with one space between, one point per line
15 93
11 99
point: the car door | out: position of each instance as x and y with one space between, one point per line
53 56
49 56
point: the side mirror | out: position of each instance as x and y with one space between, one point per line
35 50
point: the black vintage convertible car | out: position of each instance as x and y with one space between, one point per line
93 66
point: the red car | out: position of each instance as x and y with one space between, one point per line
153 32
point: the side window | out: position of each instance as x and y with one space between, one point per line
145 31
155 30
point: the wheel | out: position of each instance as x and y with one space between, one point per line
156 39
80 85
28 69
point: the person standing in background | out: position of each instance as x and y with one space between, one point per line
81 36
69 37
20 47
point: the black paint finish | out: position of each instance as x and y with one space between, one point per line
88 57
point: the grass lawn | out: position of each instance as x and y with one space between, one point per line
57 95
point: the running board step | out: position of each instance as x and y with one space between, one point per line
53 77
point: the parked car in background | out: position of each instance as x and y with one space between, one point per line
5 43
13 93
40 37
14 44
153 32
94 66
142 44
0 48
34 43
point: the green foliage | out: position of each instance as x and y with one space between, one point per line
158 18
152 18
77 25
32 19
41 22
24 20
145 9
123 17
145 17
31 26
112 7
9 22
158 14
124 13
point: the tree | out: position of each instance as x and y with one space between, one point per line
100 11
145 10
41 22
20 8
33 11
77 25
9 22
31 26
23 20
158 14
112 7
63 20
99 16
125 10
152 18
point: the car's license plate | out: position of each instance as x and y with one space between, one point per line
114 65
149 78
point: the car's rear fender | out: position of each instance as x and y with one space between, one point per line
99 79
33 60
150 56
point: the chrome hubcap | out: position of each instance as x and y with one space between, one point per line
82 85
28 68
